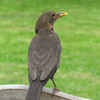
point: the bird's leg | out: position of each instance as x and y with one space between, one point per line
53 82
55 87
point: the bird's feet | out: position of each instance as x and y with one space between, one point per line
54 90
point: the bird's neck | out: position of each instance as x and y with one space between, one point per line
44 27
48 27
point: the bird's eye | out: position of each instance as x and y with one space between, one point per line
53 15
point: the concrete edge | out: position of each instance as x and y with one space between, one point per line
45 90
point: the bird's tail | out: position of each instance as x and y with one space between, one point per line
34 90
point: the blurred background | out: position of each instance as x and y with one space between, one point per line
79 32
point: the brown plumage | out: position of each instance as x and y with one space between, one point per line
44 54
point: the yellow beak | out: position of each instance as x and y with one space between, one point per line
62 14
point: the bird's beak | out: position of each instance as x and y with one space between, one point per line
62 14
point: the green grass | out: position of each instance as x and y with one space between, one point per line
79 71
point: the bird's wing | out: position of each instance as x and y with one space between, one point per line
48 65
47 62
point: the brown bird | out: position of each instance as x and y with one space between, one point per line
44 54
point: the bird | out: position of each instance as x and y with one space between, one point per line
43 54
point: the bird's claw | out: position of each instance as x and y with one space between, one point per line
54 90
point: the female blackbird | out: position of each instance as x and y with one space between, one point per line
44 54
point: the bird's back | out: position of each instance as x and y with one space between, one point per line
48 43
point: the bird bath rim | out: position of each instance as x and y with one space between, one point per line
44 90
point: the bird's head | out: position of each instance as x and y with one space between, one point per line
47 19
